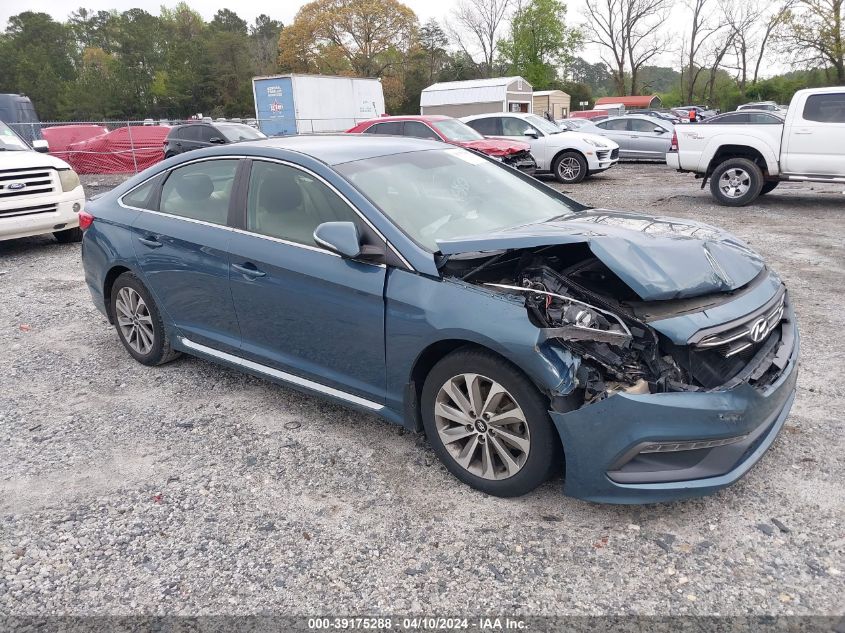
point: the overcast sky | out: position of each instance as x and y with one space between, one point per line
283 10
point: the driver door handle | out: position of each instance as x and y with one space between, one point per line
249 270
150 241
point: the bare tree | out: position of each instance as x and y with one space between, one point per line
813 34
702 29
630 35
752 26
481 19
604 28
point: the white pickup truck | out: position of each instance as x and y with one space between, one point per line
743 161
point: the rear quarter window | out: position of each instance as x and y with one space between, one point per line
825 108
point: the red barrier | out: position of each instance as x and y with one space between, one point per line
124 150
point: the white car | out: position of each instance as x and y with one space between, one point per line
38 193
569 156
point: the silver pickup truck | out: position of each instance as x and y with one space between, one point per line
746 160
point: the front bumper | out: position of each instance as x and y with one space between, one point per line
526 164
598 438
45 214
602 159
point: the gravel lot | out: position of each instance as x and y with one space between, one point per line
193 489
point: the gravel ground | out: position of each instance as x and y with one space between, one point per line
193 489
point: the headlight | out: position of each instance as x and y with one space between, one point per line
595 143
69 179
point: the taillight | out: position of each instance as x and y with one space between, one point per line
673 147
85 220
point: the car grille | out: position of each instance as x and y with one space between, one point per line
521 160
614 154
24 182
32 210
743 336
602 154
718 355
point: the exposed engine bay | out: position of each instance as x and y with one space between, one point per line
577 302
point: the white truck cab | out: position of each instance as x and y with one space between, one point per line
745 161
38 193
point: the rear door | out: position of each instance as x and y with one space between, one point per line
181 242
617 131
645 142
816 136
190 137
302 309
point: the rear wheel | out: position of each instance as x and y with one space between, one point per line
769 187
68 235
736 182
488 424
570 167
138 322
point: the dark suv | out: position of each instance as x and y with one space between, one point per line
188 136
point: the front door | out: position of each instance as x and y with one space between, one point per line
300 307
182 251
645 141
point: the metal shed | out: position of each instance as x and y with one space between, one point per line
477 96
555 102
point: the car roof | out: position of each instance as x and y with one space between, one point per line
334 149
407 117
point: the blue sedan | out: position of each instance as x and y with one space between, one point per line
527 335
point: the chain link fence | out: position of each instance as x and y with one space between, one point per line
128 147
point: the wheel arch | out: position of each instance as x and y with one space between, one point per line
108 281
574 150
429 357
766 162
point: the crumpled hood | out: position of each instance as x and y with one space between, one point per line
659 258
496 147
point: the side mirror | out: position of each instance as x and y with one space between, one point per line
217 140
40 146
339 237
659 130
531 132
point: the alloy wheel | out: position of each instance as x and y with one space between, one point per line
735 182
569 168
482 426
134 320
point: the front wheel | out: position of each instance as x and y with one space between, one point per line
570 168
736 182
488 424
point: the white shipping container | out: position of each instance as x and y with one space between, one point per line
307 104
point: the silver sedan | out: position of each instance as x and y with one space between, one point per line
638 136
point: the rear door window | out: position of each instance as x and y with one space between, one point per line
419 130
200 191
388 127
489 126
616 125
825 108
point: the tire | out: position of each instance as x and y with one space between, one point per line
769 186
169 155
736 182
68 236
148 344
569 168
533 445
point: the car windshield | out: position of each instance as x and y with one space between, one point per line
541 124
455 130
9 140
442 194
238 132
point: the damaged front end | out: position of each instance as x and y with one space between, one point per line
576 302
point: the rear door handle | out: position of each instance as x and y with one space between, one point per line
150 241
803 131
249 270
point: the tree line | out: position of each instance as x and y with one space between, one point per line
112 65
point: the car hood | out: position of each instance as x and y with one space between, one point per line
659 258
495 147
29 158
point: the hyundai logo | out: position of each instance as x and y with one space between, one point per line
759 330
16 186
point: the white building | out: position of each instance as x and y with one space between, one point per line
477 96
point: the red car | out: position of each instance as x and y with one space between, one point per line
517 154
